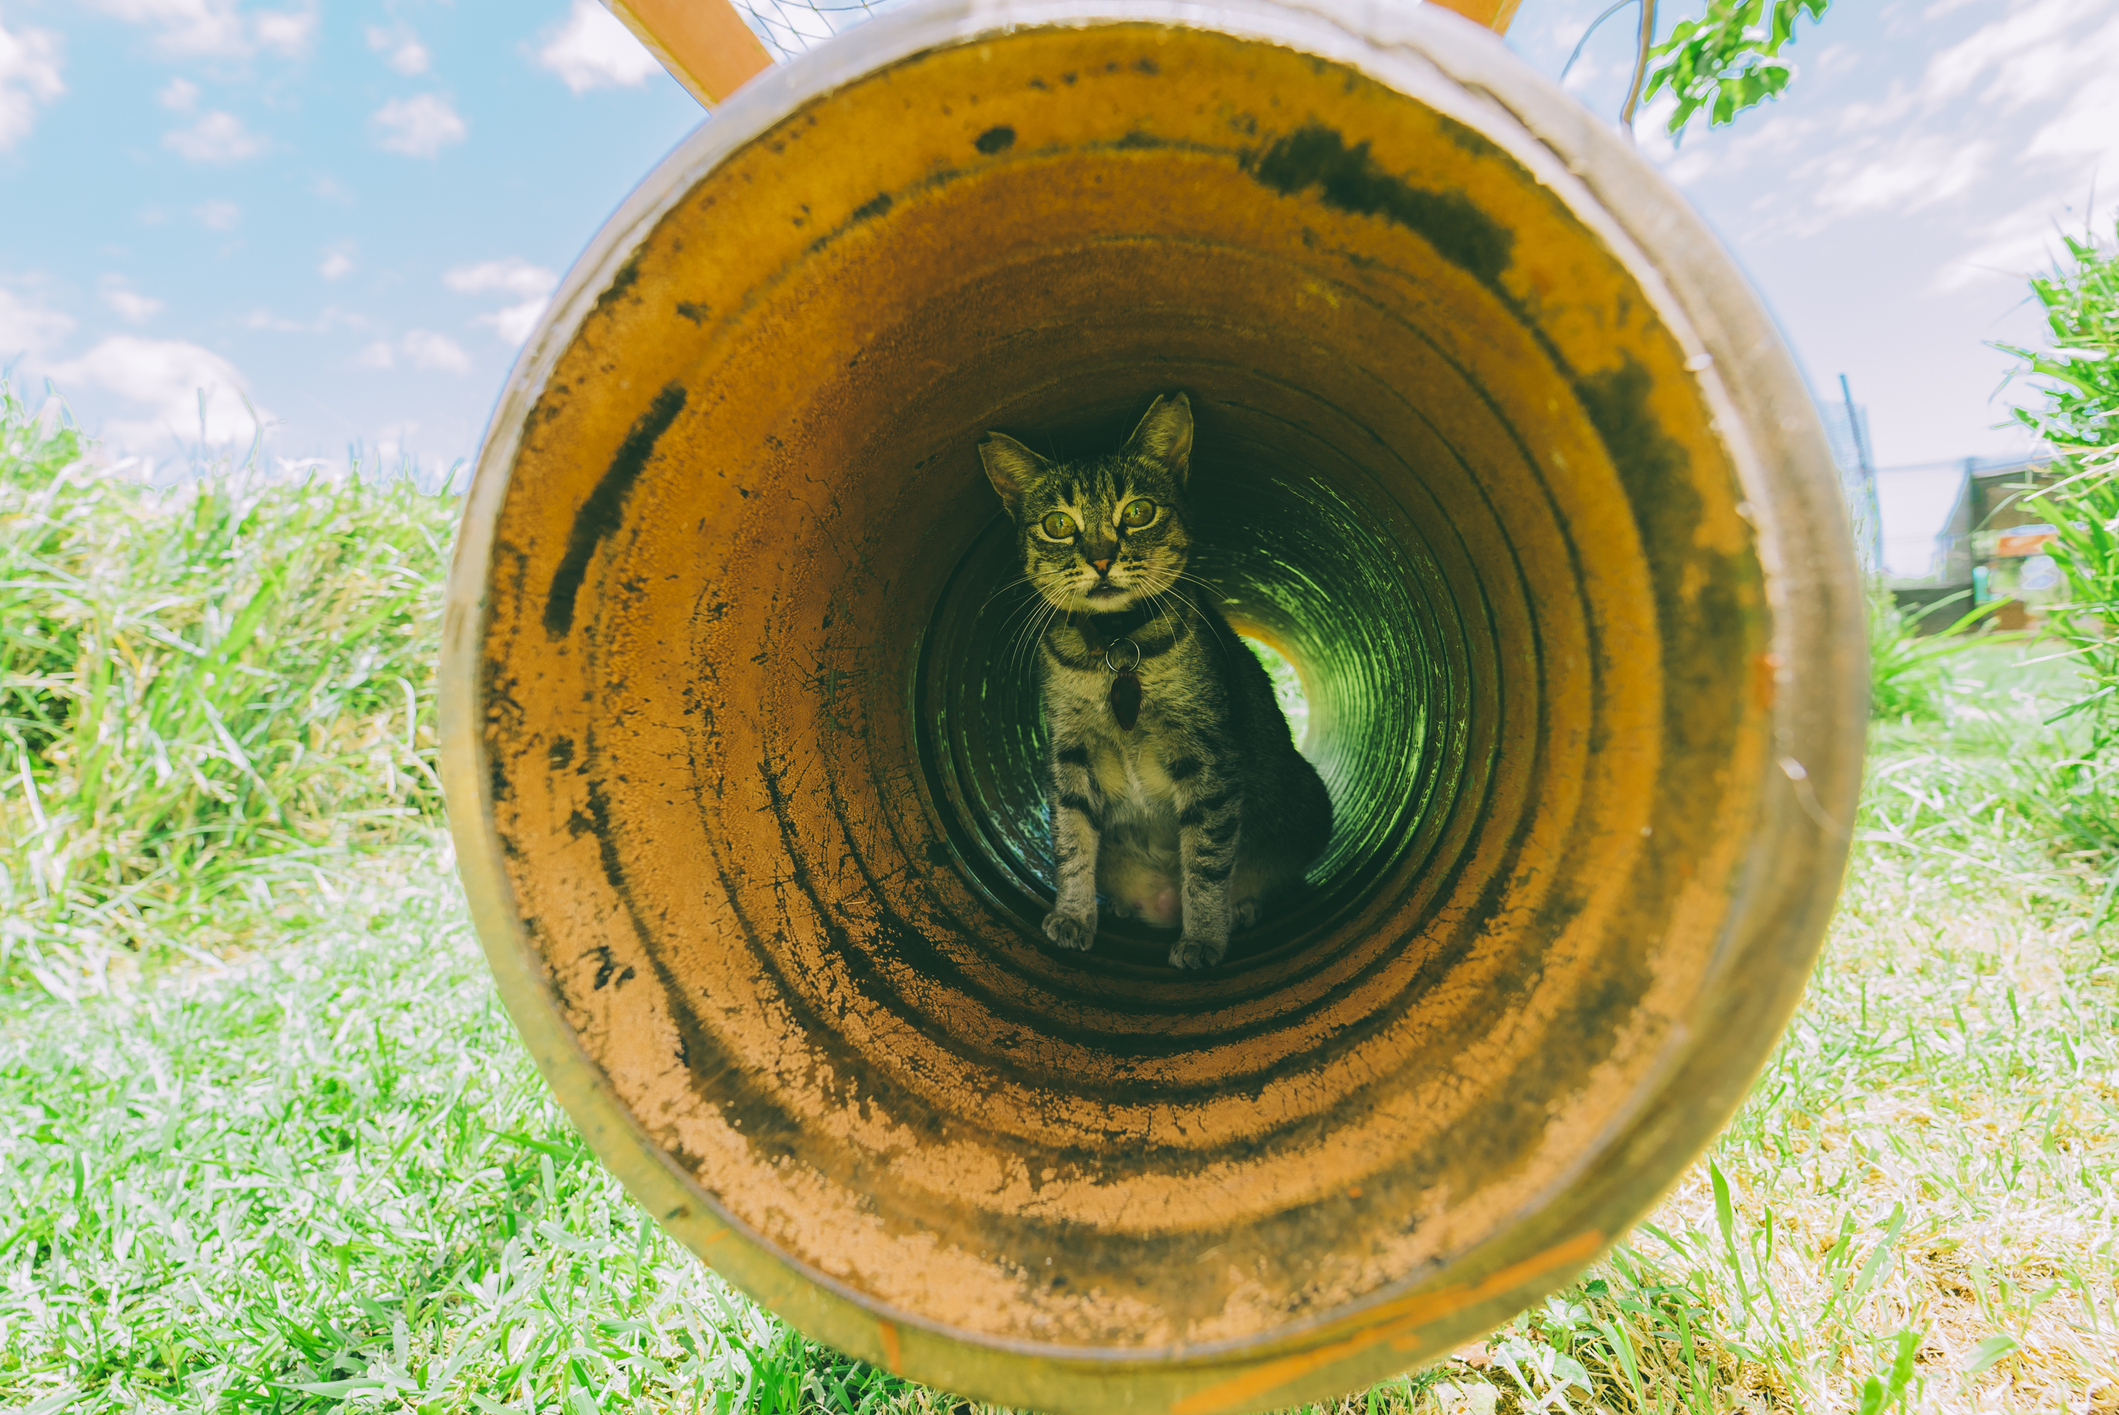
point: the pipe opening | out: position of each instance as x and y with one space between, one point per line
1289 690
1492 450
1305 571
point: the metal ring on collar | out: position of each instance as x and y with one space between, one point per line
1137 656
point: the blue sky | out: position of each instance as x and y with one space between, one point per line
348 212
342 216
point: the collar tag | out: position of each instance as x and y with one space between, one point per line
1125 685
1125 699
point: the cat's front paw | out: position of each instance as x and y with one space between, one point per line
1070 933
1196 953
1247 913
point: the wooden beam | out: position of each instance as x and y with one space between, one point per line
703 43
708 48
1494 14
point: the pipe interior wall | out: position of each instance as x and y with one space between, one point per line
744 741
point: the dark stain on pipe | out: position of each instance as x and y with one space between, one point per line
601 513
1348 179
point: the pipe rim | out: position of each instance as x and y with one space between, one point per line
1814 605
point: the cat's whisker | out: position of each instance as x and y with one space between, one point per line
1032 635
1021 580
1028 636
1034 640
1030 605
1180 575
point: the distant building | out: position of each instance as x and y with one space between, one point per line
1956 534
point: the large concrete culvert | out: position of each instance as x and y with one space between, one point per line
1493 444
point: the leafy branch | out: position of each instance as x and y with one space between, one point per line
1729 58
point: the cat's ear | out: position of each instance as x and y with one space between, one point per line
1165 434
1011 467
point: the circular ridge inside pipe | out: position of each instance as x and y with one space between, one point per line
742 744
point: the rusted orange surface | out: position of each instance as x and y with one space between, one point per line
741 751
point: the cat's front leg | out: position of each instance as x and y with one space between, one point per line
1077 832
1208 823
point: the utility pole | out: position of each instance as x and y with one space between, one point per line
1871 510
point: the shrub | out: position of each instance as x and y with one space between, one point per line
2077 413
208 694
1909 677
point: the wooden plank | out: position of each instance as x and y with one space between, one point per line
704 44
1494 14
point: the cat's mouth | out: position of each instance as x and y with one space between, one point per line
1102 591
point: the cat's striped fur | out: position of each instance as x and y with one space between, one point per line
1203 811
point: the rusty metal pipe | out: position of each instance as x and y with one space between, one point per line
1492 441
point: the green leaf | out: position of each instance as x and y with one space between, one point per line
1902 1363
1987 1353
340 1388
1727 60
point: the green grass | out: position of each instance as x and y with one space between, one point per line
289 1155
210 696
328 1173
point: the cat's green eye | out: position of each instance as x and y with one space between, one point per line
1057 526
1138 512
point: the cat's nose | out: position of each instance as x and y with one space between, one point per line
1103 567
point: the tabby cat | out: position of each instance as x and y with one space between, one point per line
1176 790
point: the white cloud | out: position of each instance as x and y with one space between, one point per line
511 275
1916 170
29 76
218 215
591 48
178 390
329 320
2010 249
2032 50
421 348
217 137
429 350
417 127
27 327
131 306
337 264
2058 56
286 32
179 96
2090 122
515 322
217 28
400 49
2000 129
187 26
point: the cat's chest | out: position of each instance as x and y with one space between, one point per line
1133 768
1129 764
1078 703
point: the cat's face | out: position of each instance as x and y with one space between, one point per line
1104 533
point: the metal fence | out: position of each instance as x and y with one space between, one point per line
791 27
